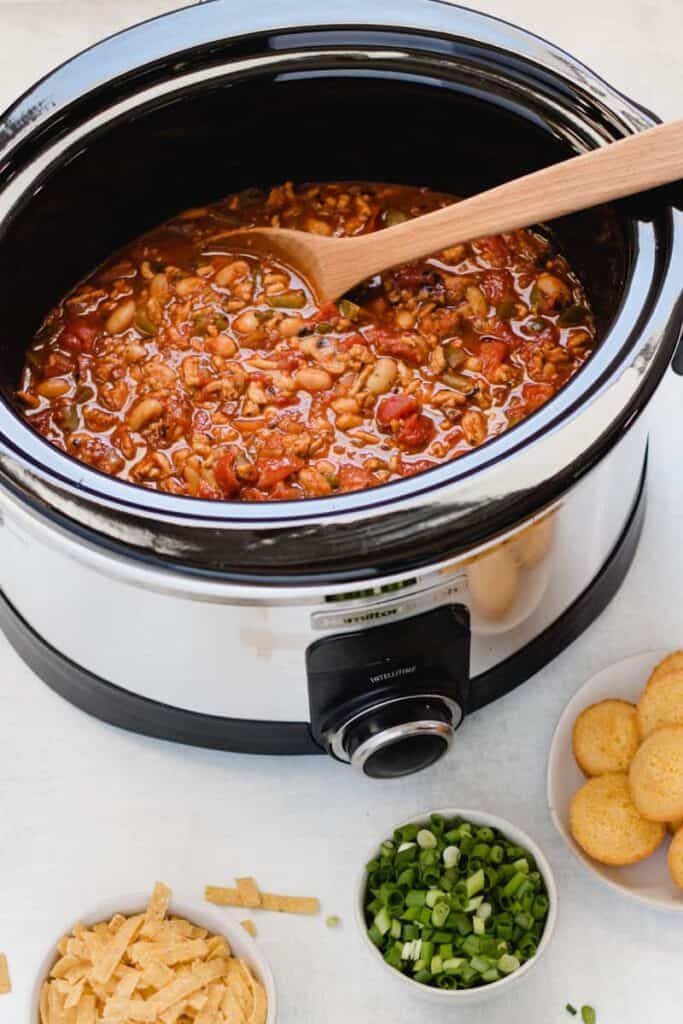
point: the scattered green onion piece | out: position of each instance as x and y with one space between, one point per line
588 1015
333 921
571 1009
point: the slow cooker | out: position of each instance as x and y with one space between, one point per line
370 624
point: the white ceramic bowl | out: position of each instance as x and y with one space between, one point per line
201 914
649 881
464 997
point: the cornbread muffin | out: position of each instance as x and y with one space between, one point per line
672 663
605 823
675 858
661 702
656 775
606 737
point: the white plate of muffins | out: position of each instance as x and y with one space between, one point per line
615 777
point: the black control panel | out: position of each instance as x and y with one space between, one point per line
380 682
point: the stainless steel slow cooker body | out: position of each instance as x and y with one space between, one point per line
242 626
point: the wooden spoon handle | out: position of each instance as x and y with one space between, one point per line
639 162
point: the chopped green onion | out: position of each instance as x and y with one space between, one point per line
588 1015
382 921
454 905
333 921
571 1009
426 839
475 883
508 963
451 856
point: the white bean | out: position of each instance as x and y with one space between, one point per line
144 412
383 375
312 379
122 317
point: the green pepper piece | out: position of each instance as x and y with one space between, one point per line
70 418
84 393
144 324
287 300
393 217
572 316
348 309
323 327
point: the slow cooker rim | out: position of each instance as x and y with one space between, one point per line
355 506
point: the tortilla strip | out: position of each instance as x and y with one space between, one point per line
260 1007
172 953
156 975
225 897
43 1002
105 966
74 997
127 985
232 1009
5 983
218 946
209 1015
290 904
249 927
248 892
185 986
157 908
86 1011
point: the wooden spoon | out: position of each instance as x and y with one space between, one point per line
334 265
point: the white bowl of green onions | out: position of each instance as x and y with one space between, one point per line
457 905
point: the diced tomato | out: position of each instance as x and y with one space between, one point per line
492 354
403 346
353 339
78 335
285 492
416 432
225 475
396 407
57 364
354 478
493 250
272 470
413 275
536 395
419 466
208 492
328 311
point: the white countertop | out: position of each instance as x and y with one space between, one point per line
87 811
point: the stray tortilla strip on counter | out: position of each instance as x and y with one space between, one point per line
248 892
249 927
5 983
227 897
